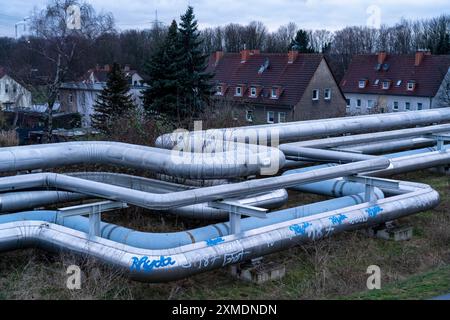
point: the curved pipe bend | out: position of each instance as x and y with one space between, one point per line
184 261
227 164
187 197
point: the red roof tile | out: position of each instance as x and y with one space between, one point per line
292 78
428 76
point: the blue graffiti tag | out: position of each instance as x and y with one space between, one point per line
146 265
374 211
215 241
338 219
300 229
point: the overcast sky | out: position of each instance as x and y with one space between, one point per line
308 14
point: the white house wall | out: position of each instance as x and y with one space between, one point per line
21 98
442 98
384 101
85 101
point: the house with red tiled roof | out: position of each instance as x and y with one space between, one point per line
390 83
276 87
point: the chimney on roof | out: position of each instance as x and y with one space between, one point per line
245 54
217 56
292 56
419 56
126 68
107 68
382 57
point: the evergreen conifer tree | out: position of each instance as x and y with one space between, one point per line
114 102
194 82
301 42
161 97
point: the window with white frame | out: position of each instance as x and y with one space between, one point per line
370 104
6 88
238 91
327 94
249 115
358 103
407 106
273 93
270 117
219 90
410 86
386 85
348 102
315 94
419 106
281 117
395 106
362 84
252 92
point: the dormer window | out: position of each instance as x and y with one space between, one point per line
273 93
362 83
386 85
253 92
238 92
410 86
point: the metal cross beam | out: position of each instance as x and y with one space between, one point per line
242 209
236 210
370 184
441 138
94 210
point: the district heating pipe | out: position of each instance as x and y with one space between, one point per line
188 197
291 131
183 261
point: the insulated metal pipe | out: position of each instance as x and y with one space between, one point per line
180 262
303 129
369 137
389 145
228 164
187 197
148 240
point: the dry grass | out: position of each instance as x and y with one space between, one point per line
331 268
8 138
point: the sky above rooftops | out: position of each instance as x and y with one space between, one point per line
307 14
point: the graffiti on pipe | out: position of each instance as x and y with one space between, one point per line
337 220
147 265
300 229
234 257
374 211
214 242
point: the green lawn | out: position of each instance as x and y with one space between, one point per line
422 286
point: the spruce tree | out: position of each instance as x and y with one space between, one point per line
194 82
301 42
161 97
114 102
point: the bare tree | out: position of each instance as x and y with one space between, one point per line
60 42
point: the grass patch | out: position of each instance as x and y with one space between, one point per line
423 286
